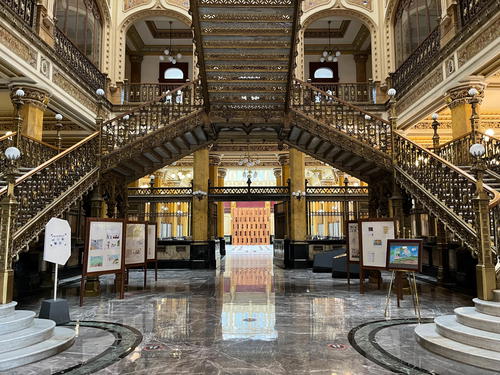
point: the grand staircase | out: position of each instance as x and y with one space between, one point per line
471 335
25 339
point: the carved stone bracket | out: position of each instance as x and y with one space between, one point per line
459 94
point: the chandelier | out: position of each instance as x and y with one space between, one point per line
249 163
328 54
170 55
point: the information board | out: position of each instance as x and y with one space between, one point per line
104 247
151 253
135 244
373 237
353 241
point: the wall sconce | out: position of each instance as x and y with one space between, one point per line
199 194
299 194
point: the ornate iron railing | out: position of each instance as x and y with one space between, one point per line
25 9
160 194
35 152
248 193
53 187
80 64
469 9
457 151
417 62
443 188
347 118
152 116
334 193
145 92
5 142
357 92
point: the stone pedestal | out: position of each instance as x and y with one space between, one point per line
56 310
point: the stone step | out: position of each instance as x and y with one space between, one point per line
7 309
487 307
62 339
430 339
447 326
40 330
470 317
17 321
496 295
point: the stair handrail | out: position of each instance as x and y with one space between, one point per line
7 136
47 163
40 142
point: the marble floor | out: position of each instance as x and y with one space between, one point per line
248 317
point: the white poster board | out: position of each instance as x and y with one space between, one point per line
135 244
57 243
151 253
105 243
374 236
353 241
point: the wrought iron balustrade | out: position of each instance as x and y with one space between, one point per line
160 194
470 9
145 92
457 151
25 9
159 113
53 187
357 92
419 61
347 118
248 193
35 152
5 142
335 192
80 64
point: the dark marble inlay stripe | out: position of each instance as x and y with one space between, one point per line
126 340
362 338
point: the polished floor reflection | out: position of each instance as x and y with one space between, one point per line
247 317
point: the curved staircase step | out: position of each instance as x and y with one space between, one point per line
496 295
448 326
487 307
7 309
430 339
470 317
18 320
62 339
41 329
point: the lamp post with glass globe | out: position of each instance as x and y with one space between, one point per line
17 100
485 269
59 127
8 213
435 136
473 101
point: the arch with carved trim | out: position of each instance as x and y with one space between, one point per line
367 21
132 18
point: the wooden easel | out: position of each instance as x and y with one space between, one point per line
397 278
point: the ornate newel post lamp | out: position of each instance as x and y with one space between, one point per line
485 269
474 101
17 100
59 127
435 136
8 207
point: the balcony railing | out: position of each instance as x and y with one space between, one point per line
25 9
145 92
469 9
357 92
405 76
81 65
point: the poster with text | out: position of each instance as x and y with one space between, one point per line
353 241
135 244
374 236
151 253
105 246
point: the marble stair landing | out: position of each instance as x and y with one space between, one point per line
25 339
470 336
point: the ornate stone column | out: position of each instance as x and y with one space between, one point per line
457 99
299 248
135 68
34 104
214 162
220 205
45 21
199 247
284 160
277 175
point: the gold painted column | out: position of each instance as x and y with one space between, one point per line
220 205
457 99
35 102
135 68
200 206
298 206
360 61
277 175
284 160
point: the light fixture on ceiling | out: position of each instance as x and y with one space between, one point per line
170 55
328 54
249 163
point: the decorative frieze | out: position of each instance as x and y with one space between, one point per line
459 95
129 4
20 48
477 44
311 4
60 80
32 95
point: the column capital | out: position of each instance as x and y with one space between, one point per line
214 159
221 172
284 159
277 172
460 94
33 95
136 58
362 57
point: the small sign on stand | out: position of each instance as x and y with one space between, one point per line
57 250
